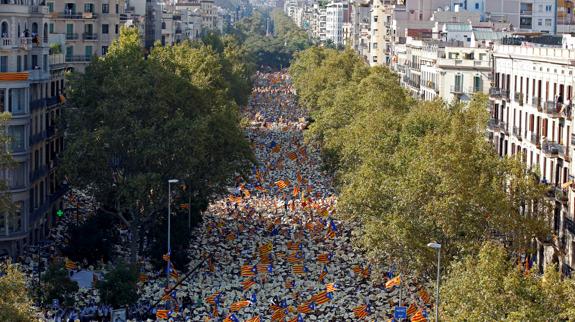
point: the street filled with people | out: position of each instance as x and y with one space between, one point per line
271 250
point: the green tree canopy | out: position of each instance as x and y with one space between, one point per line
490 287
57 285
15 304
135 123
120 286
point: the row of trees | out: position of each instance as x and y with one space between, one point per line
275 49
414 172
135 121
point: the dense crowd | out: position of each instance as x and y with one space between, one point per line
275 250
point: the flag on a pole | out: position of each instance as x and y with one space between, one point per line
239 305
361 312
162 314
247 284
393 282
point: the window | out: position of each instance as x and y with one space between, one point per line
476 6
117 29
17 100
117 8
458 83
89 7
51 27
477 84
45 61
374 46
540 22
374 59
105 28
547 22
18 63
15 218
548 8
105 8
104 50
69 52
88 51
374 18
3 63
50 6
16 134
35 64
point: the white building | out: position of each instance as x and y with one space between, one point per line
531 110
334 19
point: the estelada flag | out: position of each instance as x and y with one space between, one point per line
393 282
331 287
247 284
212 298
299 269
239 305
323 258
418 317
266 249
361 311
306 307
70 264
321 297
411 310
424 296
162 314
278 315
247 271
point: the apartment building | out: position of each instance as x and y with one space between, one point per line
90 27
531 114
335 17
31 84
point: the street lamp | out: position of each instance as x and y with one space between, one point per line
169 224
437 247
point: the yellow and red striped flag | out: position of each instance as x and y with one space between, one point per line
361 312
247 271
282 184
393 282
70 264
276 148
292 155
321 298
254 319
418 317
323 274
424 296
247 284
295 192
299 178
212 298
239 305
278 315
265 249
323 258
306 307
162 314
263 268
331 287
293 246
411 310
298 269
292 258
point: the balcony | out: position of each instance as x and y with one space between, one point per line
535 139
58 193
78 58
38 75
22 9
517 133
503 127
474 89
72 36
495 92
79 15
38 173
536 102
552 149
552 108
493 124
89 36
37 138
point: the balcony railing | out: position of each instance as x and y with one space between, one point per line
517 132
561 195
72 36
569 225
37 104
38 137
503 127
519 98
52 101
552 149
536 102
79 58
493 124
552 108
495 92
474 89
89 36
79 15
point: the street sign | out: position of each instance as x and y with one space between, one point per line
400 312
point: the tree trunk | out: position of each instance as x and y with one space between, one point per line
135 234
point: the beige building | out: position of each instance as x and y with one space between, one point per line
31 81
90 27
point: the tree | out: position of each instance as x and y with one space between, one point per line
409 173
93 240
119 287
56 284
135 123
6 162
489 287
15 304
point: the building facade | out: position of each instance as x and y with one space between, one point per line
31 87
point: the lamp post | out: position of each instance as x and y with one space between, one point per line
169 224
437 247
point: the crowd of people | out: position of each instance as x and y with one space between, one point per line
271 250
